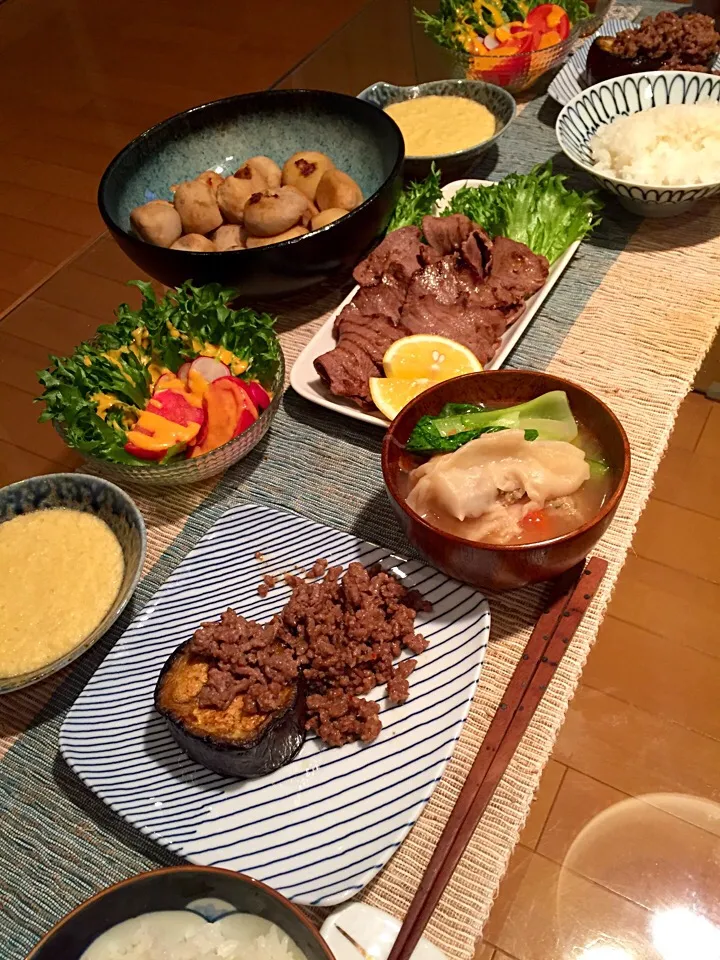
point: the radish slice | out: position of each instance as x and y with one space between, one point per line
184 371
209 368
490 42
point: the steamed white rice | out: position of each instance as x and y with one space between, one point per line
663 146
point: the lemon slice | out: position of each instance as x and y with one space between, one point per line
391 394
426 356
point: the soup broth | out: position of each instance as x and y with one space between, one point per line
512 518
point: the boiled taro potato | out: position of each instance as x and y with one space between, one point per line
256 180
305 169
197 206
266 168
231 236
233 194
310 211
327 216
212 179
195 243
337 189
266 241
267 215
157 222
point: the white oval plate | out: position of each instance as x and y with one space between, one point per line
321 827
304 378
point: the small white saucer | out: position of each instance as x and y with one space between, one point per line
372 930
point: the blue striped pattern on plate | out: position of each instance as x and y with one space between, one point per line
570 80
321 827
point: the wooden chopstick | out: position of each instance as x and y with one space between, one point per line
550 638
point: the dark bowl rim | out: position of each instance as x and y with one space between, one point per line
112 224
22 680
461 84
185 868
606 510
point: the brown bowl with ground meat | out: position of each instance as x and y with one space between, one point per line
492 566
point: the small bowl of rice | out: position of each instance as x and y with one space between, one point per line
184 913
652 139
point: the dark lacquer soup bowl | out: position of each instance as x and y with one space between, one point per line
361 140
501 567
209 892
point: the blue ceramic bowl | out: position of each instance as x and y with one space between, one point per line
452 165
208 891
604 102
361 140
77 491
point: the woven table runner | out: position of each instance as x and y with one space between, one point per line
631 320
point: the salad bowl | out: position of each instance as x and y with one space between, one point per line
172 393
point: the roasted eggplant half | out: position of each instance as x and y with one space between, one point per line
604 64
232 741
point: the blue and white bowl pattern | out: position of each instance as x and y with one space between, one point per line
318 829
605 102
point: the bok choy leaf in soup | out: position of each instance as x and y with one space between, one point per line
547 417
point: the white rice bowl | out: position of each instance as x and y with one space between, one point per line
671 145
182 935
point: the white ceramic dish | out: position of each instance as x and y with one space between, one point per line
305 380
318 829
372 930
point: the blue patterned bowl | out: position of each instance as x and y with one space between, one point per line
604 102
498 101
362 141
77 491
208 892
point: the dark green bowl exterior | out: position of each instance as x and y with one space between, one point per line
78 491
451 165
361 140
174 888
501 567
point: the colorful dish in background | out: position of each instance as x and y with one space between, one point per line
177 379
372 792
511 43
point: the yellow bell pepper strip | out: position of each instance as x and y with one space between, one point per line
490 13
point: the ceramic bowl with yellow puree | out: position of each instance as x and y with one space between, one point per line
71 552
450 122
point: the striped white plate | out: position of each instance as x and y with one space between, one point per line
569 81
320 828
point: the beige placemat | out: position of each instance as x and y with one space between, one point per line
637 343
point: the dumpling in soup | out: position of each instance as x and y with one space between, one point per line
485 489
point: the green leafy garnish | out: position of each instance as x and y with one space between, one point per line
547 417
535 208
112 371
416 201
